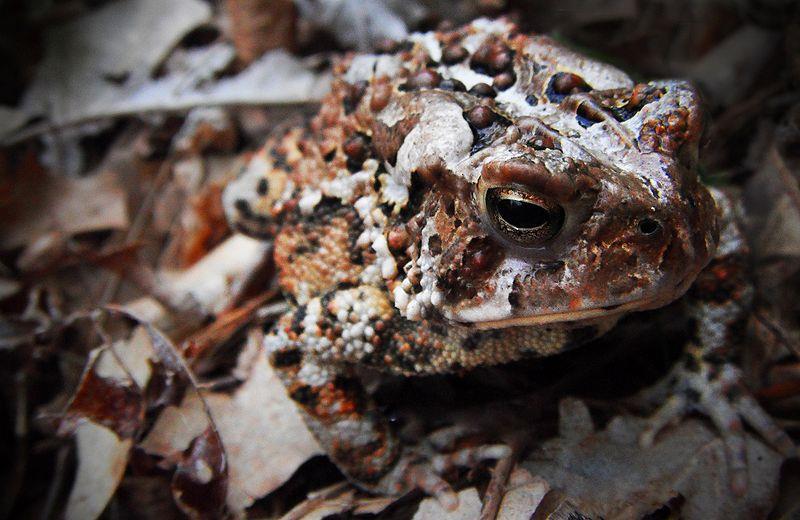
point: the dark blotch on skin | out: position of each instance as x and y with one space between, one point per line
474 340
453 54
353 97
471 342
504 80
287 358
471 266
482 90
279 159
480 116
580 336
297 319
486 126
243 207
304 395
387 140
452 84
435 244
425 78
562 84
263 186
417 192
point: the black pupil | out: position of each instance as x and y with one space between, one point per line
521 214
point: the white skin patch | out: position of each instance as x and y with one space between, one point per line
441 134
346 185
412 305
464 74
314 375
431 44
493 305
392 114
365 66
393 191
309 201
374 221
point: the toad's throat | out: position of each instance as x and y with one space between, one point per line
570 316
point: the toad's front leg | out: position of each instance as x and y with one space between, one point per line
706 379
313 349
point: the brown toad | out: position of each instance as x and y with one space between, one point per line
473 197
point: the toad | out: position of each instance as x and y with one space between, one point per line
476 196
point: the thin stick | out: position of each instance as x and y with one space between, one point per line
497 485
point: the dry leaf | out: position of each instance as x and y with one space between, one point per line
200 482
95 60
469 508
105 415
43 204
609 473
521 500
264 436
102 459
730 68
357 24
214 281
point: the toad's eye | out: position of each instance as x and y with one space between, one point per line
524 218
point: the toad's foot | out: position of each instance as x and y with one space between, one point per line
717 391
423 468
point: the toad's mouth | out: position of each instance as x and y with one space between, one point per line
571 315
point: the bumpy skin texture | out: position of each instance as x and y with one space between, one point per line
468 198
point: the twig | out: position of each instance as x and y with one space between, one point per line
138 224
777 331
316 499
497 485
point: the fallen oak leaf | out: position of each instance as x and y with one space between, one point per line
120 409
263 434
105 414
139 371
200 482
39 203
608 473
